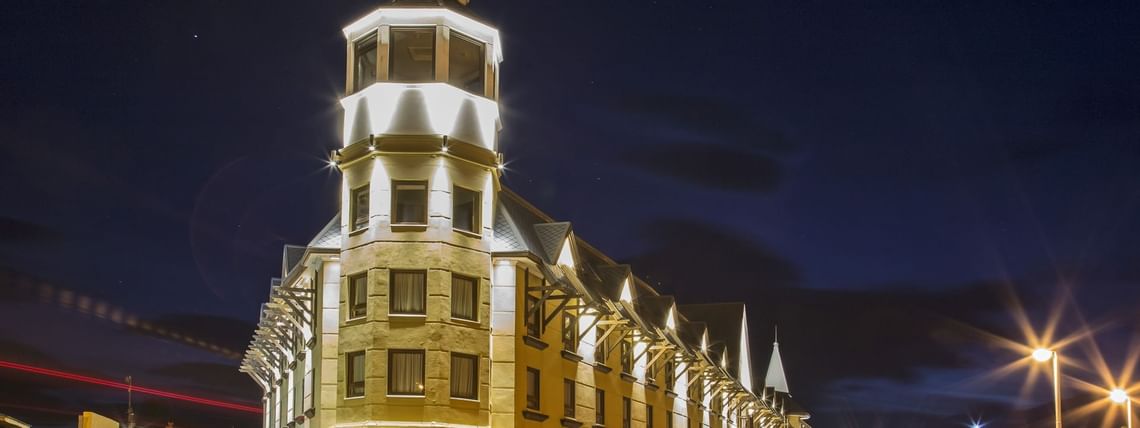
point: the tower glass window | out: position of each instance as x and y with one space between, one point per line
410 202
532 388
358 296
354 374
359 208
464 297
364 63
466 63
408 292
405 372
464 376
465 210
412 58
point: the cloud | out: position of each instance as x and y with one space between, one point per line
710 166
717 119
23 232
892 333
231 334
216 379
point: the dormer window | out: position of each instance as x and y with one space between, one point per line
412 57
466 61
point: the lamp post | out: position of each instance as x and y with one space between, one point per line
1042 355
1120 396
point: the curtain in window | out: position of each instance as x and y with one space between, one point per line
360 208
463 297
407 372
568 398
408 292
463 375
356 374
359 304
411 203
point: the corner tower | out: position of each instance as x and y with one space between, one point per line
420 168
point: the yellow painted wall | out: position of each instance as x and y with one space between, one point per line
95 420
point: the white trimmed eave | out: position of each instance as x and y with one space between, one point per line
427 16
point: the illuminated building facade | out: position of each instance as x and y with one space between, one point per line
438 298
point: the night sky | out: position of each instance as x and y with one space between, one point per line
877 177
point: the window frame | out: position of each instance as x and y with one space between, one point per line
599 346
474 297
648 415
349 373
452 33
599 406
534 322
355 224
392 292
534 389
569 397
392 367
474 376
352 303
396 200
626 412
570 331
356 80
476 215
392 30
627 363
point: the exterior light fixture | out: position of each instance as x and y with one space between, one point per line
1042 355
1118 396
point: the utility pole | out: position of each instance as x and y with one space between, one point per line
130 405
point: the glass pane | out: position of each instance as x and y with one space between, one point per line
600 407
406 373
465 56
413 55
408 292
463 299
360 208
568 398
364 72
359 302
356 374
463 376
532 388
465 209
411 203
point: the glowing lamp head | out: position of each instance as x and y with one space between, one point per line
975 425
1118 396
1042 354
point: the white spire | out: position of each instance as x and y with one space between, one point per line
775 377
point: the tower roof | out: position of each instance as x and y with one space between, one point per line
456 5
775 377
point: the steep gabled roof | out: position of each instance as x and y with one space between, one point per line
725 321
775 377
330 236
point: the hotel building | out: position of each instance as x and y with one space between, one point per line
438 298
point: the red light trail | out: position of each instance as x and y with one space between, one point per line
123 386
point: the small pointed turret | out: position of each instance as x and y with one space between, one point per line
775 377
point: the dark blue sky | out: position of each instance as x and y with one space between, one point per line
866 174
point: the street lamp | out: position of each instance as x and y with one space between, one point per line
1042 355
1120 396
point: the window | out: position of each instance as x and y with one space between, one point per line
354 374
407 292
405 372
465 210
670 373
532 388
410 202
359 208
464 376
568 399
599 406
364 68
533 317
669 419
651 373
464 297
648 416
569 331
626 412
599 346
626 357
358 296
465 56
412 57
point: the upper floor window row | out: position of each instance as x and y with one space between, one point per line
412 58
